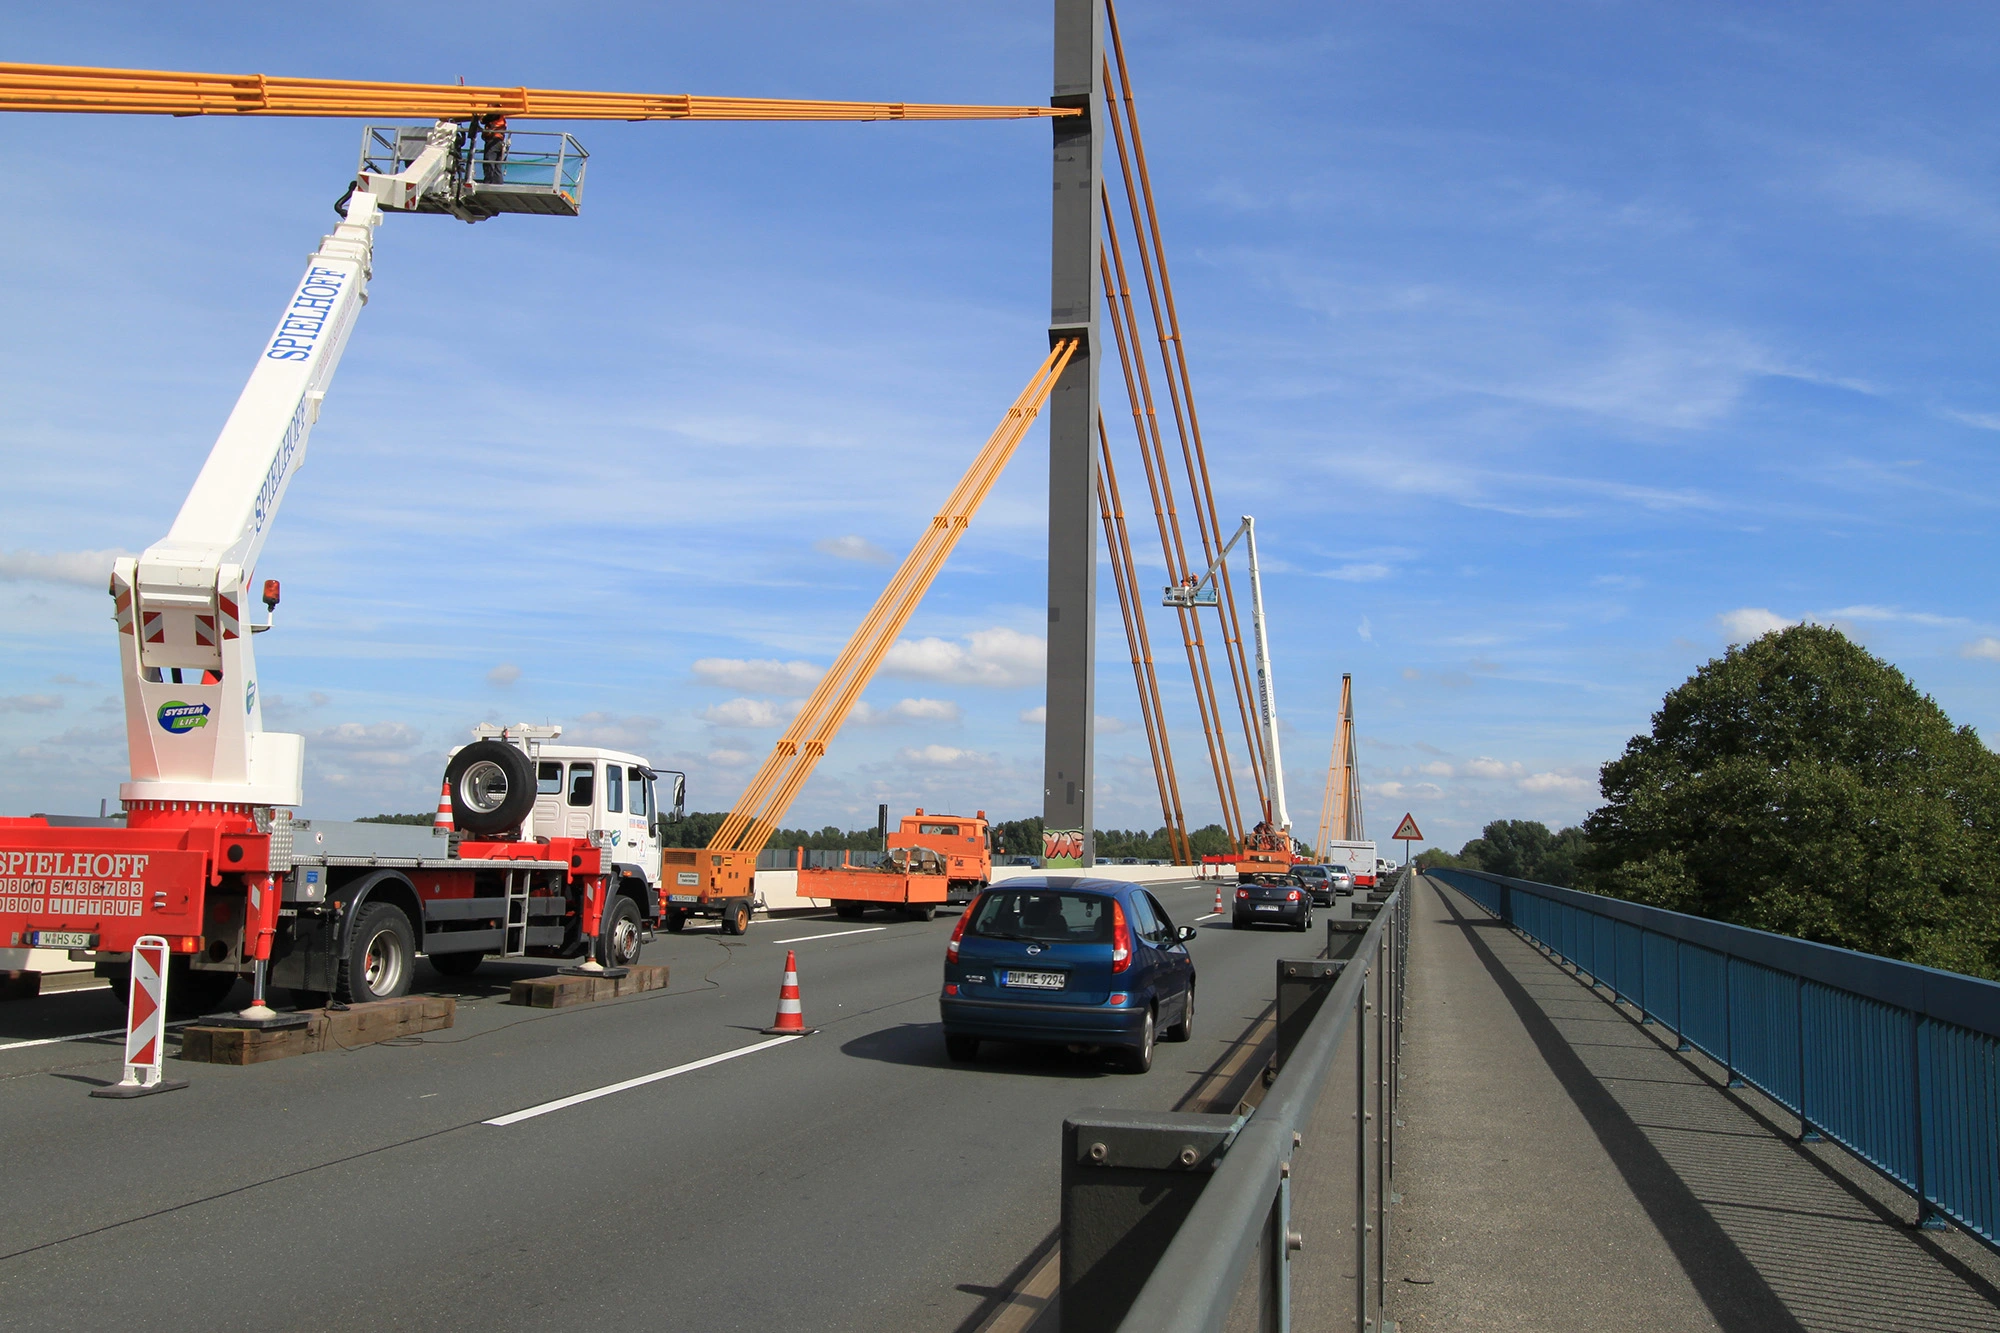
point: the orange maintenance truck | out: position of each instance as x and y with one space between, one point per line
933 860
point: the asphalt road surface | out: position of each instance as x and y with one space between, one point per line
854 1179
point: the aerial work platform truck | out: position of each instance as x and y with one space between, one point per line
555 850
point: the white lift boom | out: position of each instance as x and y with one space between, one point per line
193 721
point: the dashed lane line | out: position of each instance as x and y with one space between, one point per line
577 1099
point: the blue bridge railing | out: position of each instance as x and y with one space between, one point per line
1897 1063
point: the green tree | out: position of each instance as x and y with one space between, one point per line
1435 858
398 819
1210 840
1800 784
1525 849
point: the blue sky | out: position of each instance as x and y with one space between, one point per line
1554 348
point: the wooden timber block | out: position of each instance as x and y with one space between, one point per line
560 992
325 1030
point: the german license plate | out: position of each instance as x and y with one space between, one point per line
683 898
1267 907
1033 980
62 939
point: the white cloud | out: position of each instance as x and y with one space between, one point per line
1987 648
91 569
368 736
1558 782
1484 767
30 703
858 549
1365 630
761 676
1437 769
751 713
1037 716
1108 726
729 758
943 756
1001 658
1356 573
504 674
635 734
1411 673
1751 622
906 710
1889 613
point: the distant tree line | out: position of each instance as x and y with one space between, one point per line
1797 784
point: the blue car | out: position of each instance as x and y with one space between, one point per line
1077 962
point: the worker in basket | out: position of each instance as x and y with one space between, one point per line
493 151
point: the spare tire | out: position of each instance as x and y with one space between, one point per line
492 787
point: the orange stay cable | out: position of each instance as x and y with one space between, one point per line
1198 480
1144 679
83 88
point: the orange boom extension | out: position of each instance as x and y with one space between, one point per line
731 855
151 92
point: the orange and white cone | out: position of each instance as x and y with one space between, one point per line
1218 900
443 819
791 1019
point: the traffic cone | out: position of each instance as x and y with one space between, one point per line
1218 899
791 1019
443 819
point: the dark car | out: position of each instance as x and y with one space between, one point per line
1270 901
1078 962
1021 861
1315 880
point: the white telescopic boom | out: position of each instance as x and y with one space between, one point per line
193 721
1267 700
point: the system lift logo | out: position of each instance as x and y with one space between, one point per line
178 718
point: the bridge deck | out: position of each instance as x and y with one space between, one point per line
1562 1166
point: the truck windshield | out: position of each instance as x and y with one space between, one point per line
935 830
1043 914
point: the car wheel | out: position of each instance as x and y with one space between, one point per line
1139 1058
736 919
676 922
1305 920
1184 1030
920 911
962 1049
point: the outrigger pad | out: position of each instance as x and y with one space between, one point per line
273 1023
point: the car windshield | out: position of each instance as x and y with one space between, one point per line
1050 915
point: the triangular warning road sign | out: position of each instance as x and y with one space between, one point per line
1407 831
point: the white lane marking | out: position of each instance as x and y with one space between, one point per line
577 1099
1212 916
81 1036
830 935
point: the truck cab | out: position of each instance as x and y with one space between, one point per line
607 796
963 844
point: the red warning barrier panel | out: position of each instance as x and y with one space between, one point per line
145 1024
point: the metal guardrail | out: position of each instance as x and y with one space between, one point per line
1897 1063
1173 1223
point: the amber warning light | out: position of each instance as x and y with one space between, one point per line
270 594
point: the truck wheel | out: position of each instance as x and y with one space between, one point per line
847 911
381 949
456 964
961 1048
492 787
618 938
736 918
676 922
920 911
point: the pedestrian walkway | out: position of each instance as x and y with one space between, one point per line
1563 1167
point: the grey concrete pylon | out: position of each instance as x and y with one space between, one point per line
1074 241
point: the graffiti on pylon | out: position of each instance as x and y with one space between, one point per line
1062 847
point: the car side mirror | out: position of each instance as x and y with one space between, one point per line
1184 933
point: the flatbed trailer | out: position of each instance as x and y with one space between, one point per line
913 882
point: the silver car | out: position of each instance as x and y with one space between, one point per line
1341 878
